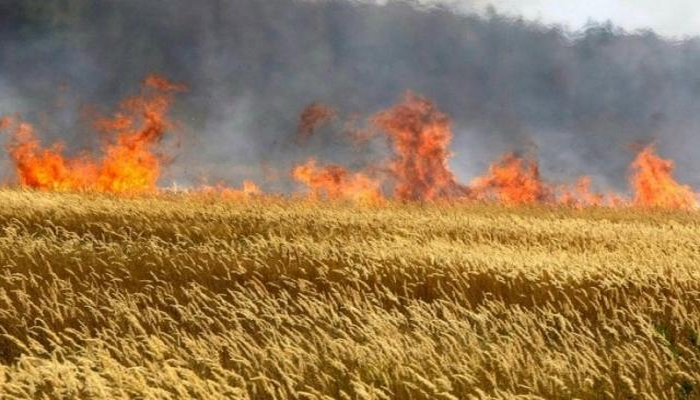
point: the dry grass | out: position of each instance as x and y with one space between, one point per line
183 298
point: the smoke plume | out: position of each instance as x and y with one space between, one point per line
577 99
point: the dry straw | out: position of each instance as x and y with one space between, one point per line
178 297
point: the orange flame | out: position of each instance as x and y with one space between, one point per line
128 164
512 181
654 185
420 136
46 169
336 183
250 189
581 195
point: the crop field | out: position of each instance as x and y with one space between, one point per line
180 296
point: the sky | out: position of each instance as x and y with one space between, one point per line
673 18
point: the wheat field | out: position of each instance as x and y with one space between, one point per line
176 296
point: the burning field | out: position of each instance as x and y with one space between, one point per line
390 280
348 199
415 167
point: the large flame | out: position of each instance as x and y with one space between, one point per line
420 136
45 168
654 184
336 183
129 162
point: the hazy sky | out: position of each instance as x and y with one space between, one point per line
581 102
668 17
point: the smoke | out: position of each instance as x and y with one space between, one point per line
576 99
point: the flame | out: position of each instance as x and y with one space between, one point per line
512 180
654 185
336 183
250 189
420 136
129 163
45 168
581 195
313 116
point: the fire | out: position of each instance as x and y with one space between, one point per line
512 181
581 195
420 136
250 189
336 183
313 116
129 163
654 184
42 168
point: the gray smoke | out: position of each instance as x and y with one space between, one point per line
581 99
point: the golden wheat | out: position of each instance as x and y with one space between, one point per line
183 297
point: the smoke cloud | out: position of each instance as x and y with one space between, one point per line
579 100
